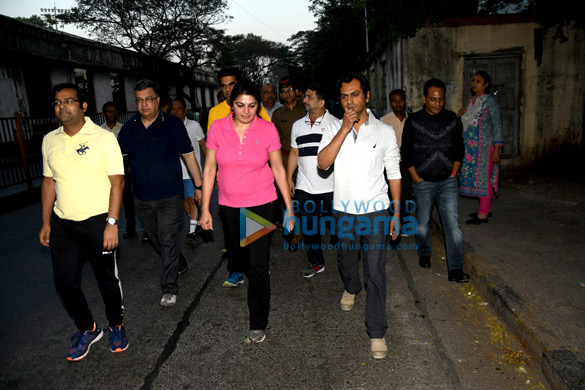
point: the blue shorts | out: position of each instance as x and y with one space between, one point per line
188 189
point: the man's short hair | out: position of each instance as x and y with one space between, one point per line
180 100
319 91
347 78
397 92
143 84
433 83
108 104
229 71
62 86
286 82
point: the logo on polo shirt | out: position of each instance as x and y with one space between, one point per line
82 149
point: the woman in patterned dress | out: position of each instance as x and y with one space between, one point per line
483 138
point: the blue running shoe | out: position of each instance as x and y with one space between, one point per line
83 340
234 279
118 339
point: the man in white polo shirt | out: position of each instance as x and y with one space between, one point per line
362 147
314 186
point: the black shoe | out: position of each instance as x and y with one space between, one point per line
183 267
473 215
144 237
457 275
476 221
191 239
424 261
129 234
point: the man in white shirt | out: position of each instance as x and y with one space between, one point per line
111 115
314 187
179 109
396 119
269 101
362 147
110 112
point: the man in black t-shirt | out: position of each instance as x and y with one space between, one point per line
432 151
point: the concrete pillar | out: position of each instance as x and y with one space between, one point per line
102 89
129 84
62 75
14 92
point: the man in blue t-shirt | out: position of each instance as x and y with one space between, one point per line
153 142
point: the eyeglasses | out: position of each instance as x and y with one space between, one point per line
59 103
316 123
287 90
147 99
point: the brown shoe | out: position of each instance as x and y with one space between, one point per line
379 348
347 301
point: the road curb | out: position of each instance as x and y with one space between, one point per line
562 368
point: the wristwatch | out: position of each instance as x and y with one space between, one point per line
112 221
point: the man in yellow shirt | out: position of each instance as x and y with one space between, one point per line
81 196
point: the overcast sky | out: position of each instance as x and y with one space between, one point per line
275 20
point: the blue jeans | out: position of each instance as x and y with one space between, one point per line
446 195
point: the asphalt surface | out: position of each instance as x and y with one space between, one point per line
522 316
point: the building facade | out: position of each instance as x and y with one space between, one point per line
538 78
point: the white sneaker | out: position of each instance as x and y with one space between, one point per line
379 348
347 301
168 300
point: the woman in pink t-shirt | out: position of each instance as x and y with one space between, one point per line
246 149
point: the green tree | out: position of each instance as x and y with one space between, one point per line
258 59
337 46
340 43
551 15
169 29
43 21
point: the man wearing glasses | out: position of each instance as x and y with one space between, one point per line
81 196
314 186
269 99
153 141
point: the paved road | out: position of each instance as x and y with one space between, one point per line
441 335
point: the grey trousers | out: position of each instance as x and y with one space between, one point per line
372 240
162 220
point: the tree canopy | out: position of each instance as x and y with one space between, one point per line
551 15
168 29
258 59
44 21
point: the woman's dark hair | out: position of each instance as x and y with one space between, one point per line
486 79
246 87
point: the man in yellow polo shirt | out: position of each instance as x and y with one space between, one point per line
81 196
